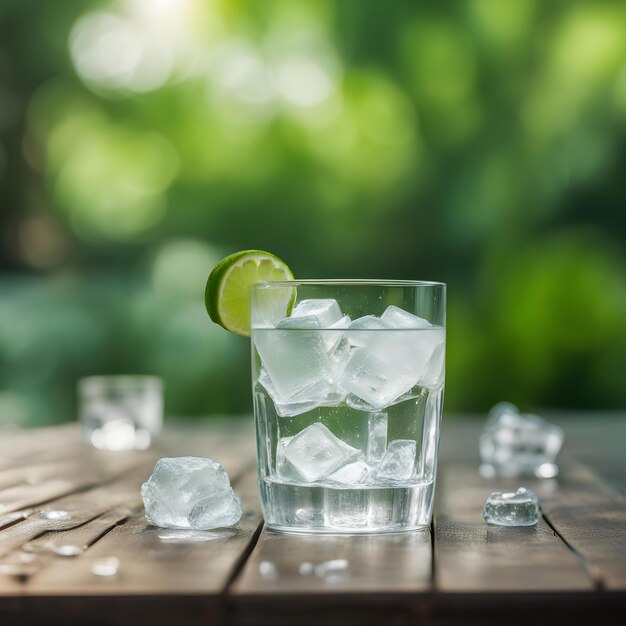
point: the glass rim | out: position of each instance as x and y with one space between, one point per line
356 282
118 381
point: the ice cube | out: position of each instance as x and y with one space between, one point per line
390 364
380 372
514 444
363 324
389 360
321 393
284 469
433 374
326 311
399 461
350 474
399 318
376 437
293 354
315 452
333 336
354 402
512 509
190 492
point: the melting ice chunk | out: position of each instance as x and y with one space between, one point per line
514 444
399 461
294 358
190 492
326 311
315 452
376 437
350 474
512 509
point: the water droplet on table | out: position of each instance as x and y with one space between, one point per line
267 569
107 566
56 516
333 567
34 546
8 569
194 536
306 568
16 516
26 557
67 549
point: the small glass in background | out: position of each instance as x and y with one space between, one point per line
120 412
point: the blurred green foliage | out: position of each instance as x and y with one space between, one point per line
479 143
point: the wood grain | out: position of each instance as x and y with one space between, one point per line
591 517
482 574
473 556
314 564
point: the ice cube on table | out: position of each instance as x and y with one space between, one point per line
294 354
514 444
399 461
315 452
399 318
512 509
326 311
376 437
190 492
350 474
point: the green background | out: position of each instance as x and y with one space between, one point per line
478 143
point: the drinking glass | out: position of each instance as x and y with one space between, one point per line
348 384
121 412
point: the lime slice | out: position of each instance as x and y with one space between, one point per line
227 294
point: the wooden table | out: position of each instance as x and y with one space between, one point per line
569 569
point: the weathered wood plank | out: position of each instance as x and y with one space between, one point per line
167 577
591 517
155 561
19 446
80 508
472 556
86 535
285 564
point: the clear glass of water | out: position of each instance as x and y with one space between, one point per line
120 412
348 388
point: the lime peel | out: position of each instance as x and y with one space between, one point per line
227 294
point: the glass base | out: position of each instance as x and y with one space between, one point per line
315 509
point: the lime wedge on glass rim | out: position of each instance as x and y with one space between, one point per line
227 294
